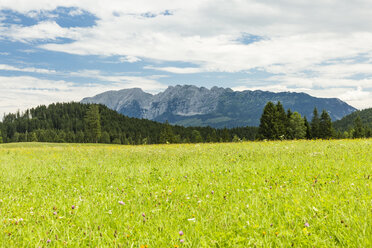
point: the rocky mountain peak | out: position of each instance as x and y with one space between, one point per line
218 107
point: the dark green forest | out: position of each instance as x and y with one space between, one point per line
91 123
347 123
276 124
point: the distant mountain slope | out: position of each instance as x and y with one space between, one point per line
218 107
347 122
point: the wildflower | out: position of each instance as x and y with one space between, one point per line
121 203
307 224
264 233
276 233
180 233
54 213
143 214
212 192
73 206
48 241
182 240
20 219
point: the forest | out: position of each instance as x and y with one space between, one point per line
277 124
92 123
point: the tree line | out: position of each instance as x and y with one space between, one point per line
277 124
356 125
92 123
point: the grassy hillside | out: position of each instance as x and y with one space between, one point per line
264 194
347 122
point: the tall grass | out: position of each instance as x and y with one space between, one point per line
264 194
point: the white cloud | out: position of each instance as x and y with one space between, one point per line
75 12
129 59
148 84
46 30
302 38
4 67
21 93
177 70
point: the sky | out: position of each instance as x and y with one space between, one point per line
64 50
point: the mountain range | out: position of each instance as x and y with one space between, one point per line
188 105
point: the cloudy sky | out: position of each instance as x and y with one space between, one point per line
64 50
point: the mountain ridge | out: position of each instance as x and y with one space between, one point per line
347 122
189 105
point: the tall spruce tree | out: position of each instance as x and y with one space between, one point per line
196 137
308 128
358 128
167 135
289 115
296 128
315 122
93 124
268 127
281 120
325 125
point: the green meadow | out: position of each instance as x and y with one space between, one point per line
253 194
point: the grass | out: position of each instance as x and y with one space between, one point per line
264 194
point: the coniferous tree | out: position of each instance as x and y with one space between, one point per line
196 137
80 137
93 124
1 137
315 122
358 128
33 137
225 135
281 120
308 128
296 128
68 122
105 137
268 128
368 132
325 126
167 135
289 115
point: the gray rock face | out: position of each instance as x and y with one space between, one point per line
184 101
218 107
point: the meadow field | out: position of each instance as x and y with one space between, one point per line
254 194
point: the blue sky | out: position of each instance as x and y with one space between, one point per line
62 51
